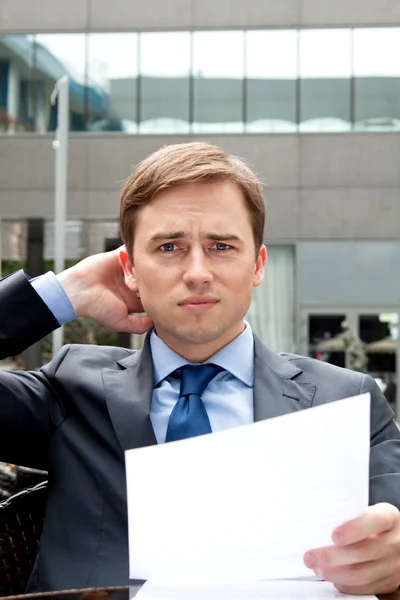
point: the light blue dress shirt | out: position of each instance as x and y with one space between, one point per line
53 295
229 396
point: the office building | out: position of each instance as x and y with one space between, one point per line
308 91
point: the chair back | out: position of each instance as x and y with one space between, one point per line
15 478
21 524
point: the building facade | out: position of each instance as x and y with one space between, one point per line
307 91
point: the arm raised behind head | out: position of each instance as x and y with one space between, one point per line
95 287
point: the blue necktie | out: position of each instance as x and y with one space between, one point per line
189 417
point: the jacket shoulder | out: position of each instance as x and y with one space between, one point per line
99 354
79 356
315 368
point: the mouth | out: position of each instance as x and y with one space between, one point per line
198 303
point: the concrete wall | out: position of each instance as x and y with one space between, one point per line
328 278
342 186
83 15
338 187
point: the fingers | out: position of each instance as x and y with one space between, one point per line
370 581
367 560
338 556
134 304
382 520
388 585
358 575
376 520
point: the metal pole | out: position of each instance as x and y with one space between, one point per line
60 146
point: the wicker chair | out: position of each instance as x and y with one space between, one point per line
15 478
21 523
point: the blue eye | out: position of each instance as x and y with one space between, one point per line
167 247
221 246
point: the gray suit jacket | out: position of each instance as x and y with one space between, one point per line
79 413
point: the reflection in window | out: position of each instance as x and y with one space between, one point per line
204 81
271 72
112 81
56 55
377 78
325 87
19 96
30 65
218 72
164 82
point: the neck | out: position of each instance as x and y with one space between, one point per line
200 352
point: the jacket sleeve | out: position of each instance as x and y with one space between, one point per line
30 407
24 317
384 481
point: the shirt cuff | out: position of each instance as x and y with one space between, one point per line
53 295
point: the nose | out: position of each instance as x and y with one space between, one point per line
197 269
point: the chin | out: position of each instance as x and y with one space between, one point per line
199 335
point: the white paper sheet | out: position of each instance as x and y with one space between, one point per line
245 504
257 590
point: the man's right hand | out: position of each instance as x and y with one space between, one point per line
96 288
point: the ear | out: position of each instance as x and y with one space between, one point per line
260 266
128 269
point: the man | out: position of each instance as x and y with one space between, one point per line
192 220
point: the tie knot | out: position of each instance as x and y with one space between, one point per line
195 378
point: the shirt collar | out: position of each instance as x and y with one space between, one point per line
237 358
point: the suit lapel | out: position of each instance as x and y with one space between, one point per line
129 389
128 393
276 392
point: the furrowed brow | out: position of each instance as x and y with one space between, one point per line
224 237
167 235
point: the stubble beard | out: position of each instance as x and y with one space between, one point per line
197 333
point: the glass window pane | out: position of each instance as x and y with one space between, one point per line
218 72
377 78
271 72
112 81
56 55
19 108
164 82
325 86
325 338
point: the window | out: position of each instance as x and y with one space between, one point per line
205 82
271 79
325 86
164 82
218 73
377 78
112 81
56 55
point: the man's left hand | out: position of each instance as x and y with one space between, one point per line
365 557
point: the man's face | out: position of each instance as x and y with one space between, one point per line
194 266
